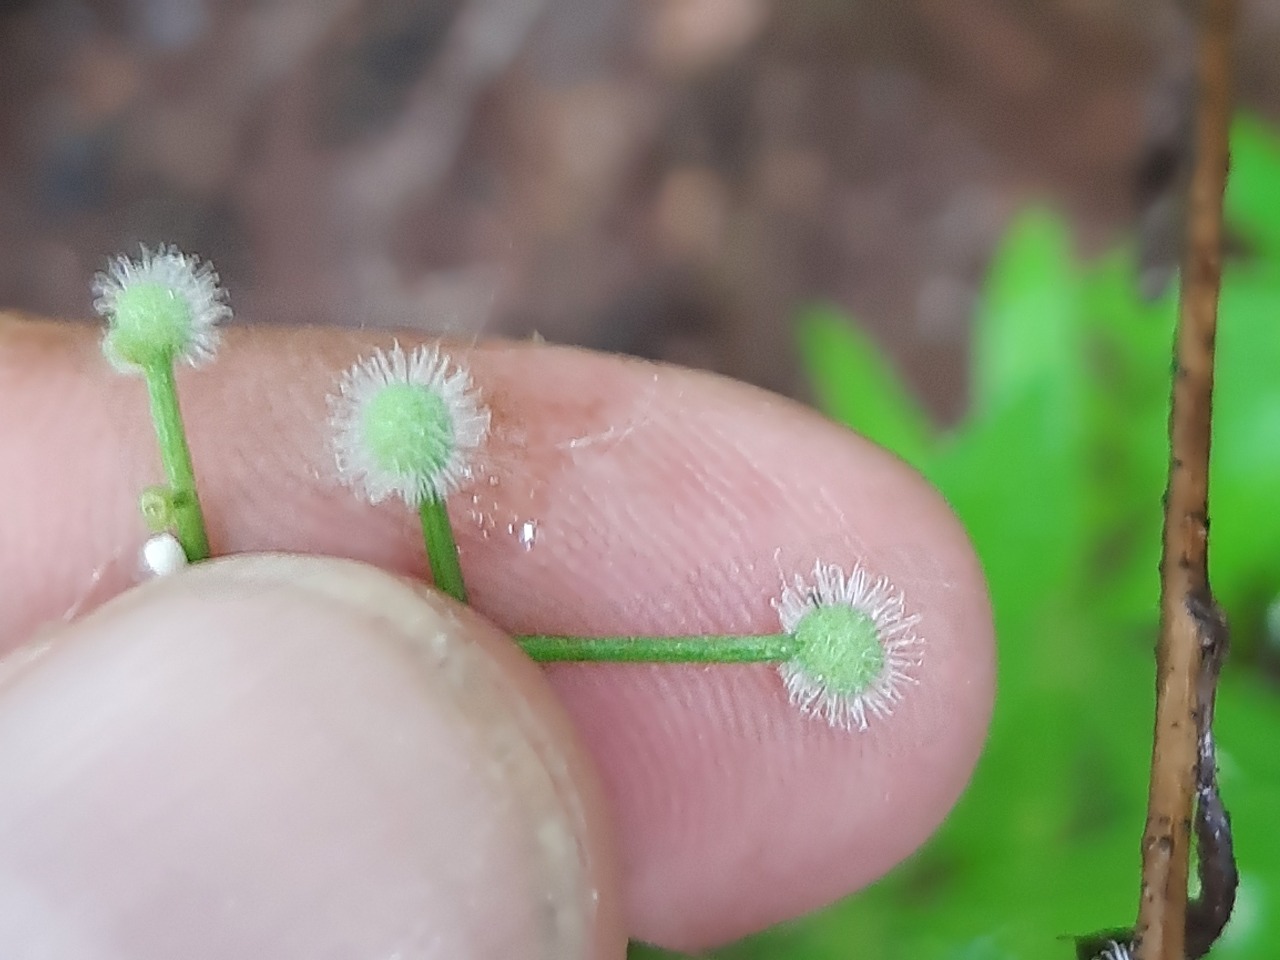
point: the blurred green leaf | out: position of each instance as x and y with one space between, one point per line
1253 191
1058 473
1246 452
643 951
856 385
1026 335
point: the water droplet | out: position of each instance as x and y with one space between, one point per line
526 531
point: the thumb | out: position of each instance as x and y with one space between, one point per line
286 757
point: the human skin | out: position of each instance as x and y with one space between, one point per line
663 501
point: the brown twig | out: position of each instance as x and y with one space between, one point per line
1161 929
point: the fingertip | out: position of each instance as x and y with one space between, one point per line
792 814
285 757
664 502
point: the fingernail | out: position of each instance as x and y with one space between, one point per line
278 756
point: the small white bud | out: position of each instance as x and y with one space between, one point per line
162 555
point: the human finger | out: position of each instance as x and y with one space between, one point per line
276 756
616 497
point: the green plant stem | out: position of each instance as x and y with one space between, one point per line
442 549
553 648
162 390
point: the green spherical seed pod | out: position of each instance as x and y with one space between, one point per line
838 647
151 324
408 430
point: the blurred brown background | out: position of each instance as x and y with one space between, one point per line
671 178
